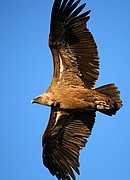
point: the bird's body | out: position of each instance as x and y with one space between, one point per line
72 94
76 97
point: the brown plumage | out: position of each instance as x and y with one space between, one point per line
72 95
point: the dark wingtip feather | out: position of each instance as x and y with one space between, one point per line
62 10
55 9
78 10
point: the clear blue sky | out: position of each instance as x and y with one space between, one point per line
26 70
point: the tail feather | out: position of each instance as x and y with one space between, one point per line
111 91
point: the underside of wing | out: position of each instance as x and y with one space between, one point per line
64 137
73 47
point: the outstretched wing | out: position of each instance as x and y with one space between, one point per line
73 47
64 137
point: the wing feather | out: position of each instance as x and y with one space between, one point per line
63 139
73 44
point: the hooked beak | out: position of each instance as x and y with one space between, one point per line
36 100
33 101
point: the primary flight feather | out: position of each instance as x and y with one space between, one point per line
72 94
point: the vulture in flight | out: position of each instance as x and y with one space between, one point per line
72 94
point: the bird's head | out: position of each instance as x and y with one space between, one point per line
43 99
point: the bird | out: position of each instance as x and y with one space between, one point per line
72 94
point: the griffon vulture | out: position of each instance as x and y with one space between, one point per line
72 94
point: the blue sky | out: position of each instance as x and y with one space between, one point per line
26 71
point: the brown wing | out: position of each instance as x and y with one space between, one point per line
64 137
73 47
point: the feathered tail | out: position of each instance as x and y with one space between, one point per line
111 91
